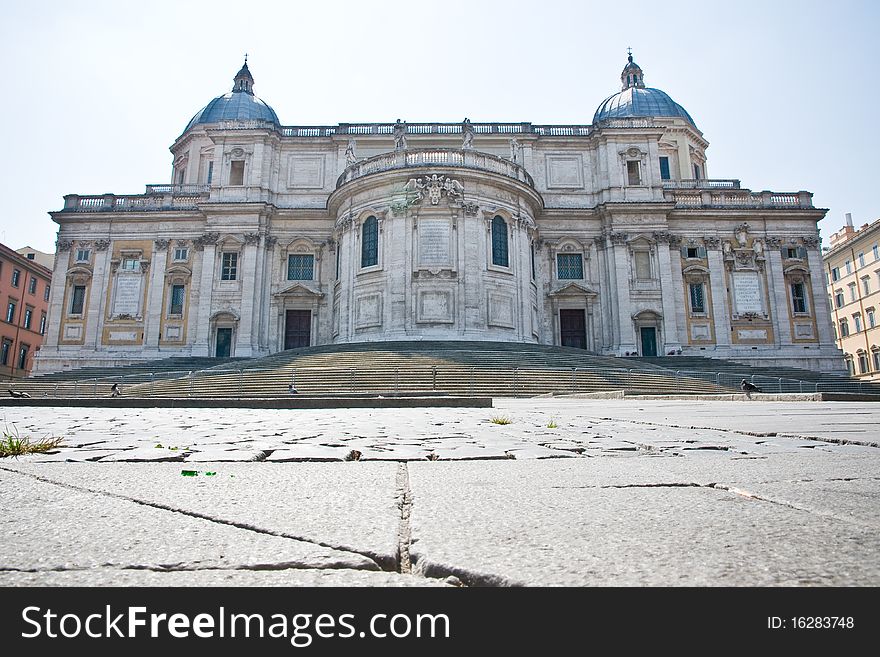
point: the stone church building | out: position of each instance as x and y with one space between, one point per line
609 236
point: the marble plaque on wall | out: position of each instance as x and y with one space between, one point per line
368 310
565 171
747 292
127 300
72 331
752 334
435 306
306 172
123 336
501 311
803 330
434 236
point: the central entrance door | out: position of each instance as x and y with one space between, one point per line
649 341
224 343
573 328
298 329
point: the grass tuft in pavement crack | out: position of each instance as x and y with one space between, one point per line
500 419
14 445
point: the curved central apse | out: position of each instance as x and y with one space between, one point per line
435 251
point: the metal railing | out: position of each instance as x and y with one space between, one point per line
468 380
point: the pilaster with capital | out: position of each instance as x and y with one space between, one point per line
779 307
95 314
153 312
203 310
720 303
670 291
248 271
820 304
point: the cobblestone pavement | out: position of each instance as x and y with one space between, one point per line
571 492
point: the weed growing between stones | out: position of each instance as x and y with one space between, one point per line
500 419
14 445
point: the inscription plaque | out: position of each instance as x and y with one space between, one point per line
747 292
128 295
434 242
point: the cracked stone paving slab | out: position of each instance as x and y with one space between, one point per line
538 524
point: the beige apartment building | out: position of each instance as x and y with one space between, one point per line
852 272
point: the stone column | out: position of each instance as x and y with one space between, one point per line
720 304
248 271
56 310
622 297
201 345
819 300
670 290
778 301
154 310
97 296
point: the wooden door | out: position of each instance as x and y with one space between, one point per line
573 328
298 329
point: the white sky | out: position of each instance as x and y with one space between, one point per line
96 92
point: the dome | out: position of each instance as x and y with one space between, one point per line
636 99
240 104
640 102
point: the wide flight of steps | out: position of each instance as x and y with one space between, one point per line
770 379
456 368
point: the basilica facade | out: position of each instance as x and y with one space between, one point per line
608 236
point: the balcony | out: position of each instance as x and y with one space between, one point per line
702 183
435 157
734 198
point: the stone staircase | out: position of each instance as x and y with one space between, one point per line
428 367
456 368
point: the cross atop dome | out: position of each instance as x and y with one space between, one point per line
632 75
244 81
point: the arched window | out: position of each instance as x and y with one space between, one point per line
499 242
370 242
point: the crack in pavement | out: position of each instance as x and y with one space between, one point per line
404 529
380 561
184 567
754 434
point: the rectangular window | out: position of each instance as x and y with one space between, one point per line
861 260
4 351
181 254
863 363
236 172
10 312
835 274
876 251
838 299
692 252
16 275
866 285
872 322
698 300
32 288
229 268
633 175
22 357
177 295
798 297
82 255
857 322
28 314
852 291
210 172
78 299
533 260
129 264
664 168
876 359
844 328
300 267
790 252
697 172
848 266
46 293
43 324
643 265
570 266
